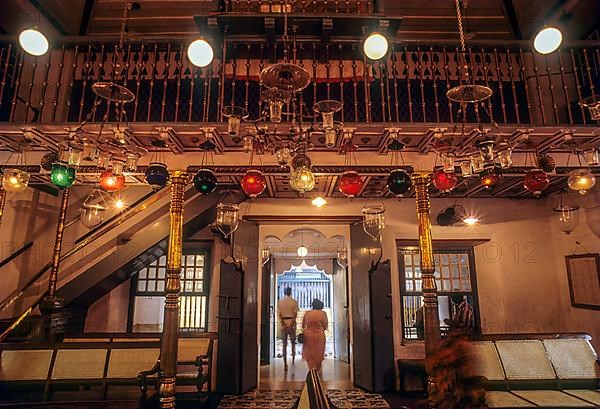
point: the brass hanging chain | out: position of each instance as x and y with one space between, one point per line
124 19
460 26
285 32
463 47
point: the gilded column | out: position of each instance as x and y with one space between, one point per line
430 309
50 304
2 203
58 239
168 347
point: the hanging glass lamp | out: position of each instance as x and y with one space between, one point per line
253 183
302 179
351 183
536 181
373 220
399 182
227 220
62 175
205 181
444 181
581 180
15 180
111 182
157 175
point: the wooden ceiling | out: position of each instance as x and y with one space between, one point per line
484 19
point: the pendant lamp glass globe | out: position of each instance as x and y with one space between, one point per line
375 46
547 40
200 53
33 42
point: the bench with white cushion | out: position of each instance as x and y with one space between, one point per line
548 373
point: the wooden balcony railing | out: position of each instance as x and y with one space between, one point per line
408 86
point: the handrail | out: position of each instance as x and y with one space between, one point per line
118 219
23 315
16 254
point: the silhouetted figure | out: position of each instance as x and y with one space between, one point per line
314 325
287 308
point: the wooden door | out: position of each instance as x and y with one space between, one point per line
229 355
341 333
237 357
373 346
265 313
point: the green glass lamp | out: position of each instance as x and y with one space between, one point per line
62 175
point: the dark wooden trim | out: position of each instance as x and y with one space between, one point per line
532 335
511 15
45 188
15 254
596 256
86 16
443 244
49 17
273 219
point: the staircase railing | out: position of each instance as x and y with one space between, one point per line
137 207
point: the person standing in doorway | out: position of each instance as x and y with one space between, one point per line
314 325
287 308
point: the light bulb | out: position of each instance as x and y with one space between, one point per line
319 201
471 220
375 46
547 40
119 204
33 42
200 53
302 251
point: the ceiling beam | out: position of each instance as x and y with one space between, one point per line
49 17
86 16
511 15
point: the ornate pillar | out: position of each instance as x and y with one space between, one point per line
430 309
168 347
2 203
50 304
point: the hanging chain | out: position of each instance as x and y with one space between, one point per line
460 26
124 24
285 32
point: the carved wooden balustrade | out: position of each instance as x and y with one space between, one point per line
408 86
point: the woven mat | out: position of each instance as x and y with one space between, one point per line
343 399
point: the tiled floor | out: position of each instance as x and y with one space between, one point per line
336 375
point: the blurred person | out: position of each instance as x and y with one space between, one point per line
287 308
314 324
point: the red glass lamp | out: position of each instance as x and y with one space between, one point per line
491 176
536 181
253 183
351 183
444 181
111 182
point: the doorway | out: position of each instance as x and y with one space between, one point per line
320 274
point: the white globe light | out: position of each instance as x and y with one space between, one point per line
33 42
547 40
302 251
200 53
375 46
